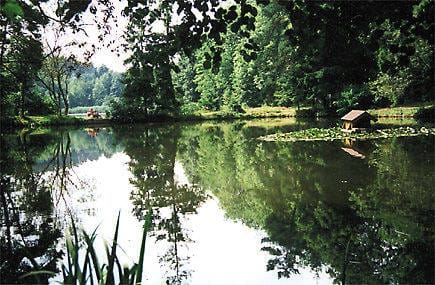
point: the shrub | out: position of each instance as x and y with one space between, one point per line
126 113
389 88
305 113
353 97
189 108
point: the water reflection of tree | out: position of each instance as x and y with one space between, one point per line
60 164
153 156
29 233
366 221
37 173
56 166
357 247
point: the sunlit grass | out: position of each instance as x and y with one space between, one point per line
266 111
84 110
258 112
403 111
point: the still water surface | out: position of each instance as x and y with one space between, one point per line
227 208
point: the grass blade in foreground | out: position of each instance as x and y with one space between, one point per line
110 275
146 226
91 271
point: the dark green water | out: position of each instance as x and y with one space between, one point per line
227 208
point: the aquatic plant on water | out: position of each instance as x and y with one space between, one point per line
316 134
87 269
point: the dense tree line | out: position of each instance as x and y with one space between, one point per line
332 56
89 86
187 55
36 71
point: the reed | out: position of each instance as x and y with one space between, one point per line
88 269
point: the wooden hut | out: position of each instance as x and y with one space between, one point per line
356 120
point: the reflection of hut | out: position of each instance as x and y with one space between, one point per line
356 148
356 120
353 152
350 146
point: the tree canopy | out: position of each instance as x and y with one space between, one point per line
189 55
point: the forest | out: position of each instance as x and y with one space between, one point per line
189 56
88 86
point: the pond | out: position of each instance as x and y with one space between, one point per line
227 208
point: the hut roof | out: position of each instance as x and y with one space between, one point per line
355 115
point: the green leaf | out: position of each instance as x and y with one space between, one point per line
39 272
146 226
112 256
90 246
12 9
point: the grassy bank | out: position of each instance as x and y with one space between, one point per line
48 121
276 112
249 113
402 111
38 121
204 115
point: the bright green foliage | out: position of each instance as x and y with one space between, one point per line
333 57
102 88
330 56
91 86
21 54
54 75
206 83
81 85
273 61
92 270
353 97
185 88
12 10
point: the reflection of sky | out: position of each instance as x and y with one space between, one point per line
222 251
227 252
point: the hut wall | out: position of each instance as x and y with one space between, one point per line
362 123
347 125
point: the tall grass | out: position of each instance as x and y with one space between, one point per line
88 269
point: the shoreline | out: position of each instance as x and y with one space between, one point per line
34 122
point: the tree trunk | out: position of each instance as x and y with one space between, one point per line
63 92
22 99
66 99
3 41
145 102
